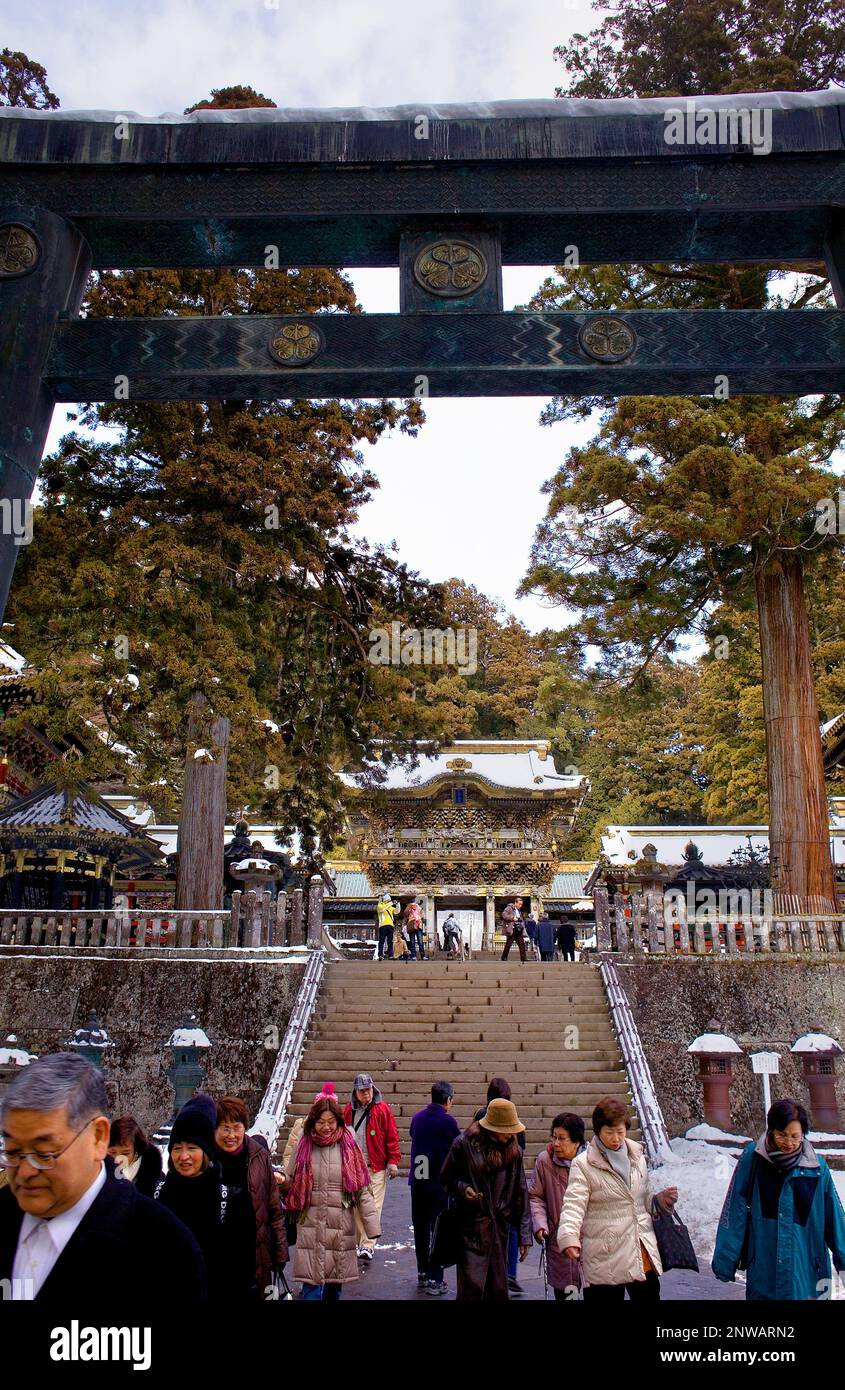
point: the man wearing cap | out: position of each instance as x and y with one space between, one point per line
374 1127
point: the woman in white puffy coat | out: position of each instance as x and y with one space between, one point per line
605 1220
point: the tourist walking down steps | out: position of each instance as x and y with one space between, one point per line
220 1217
66 1222
374 1129
606 1218
499 1089
484 1173
781 1198
329 1187
433 1131
246 1165
546 1189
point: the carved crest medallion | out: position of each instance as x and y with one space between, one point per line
296 344
19 250
450 268
607 339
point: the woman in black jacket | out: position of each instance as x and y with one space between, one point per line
219 1217
135 1157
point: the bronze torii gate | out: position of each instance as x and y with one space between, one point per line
449 194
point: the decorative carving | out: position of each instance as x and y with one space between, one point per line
607 339
19 251
296 344
459 764
450 268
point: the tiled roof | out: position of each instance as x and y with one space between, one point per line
352 883
48 806
569 883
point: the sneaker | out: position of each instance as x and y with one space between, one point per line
514 1287
366 1253
422 1281
435 1290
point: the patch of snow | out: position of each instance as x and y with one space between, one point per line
710 1132
16 1057
203 755
188 1037
816 1042
816 1136
248 864
713 1042
701 1175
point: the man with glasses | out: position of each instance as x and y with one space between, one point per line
70 1230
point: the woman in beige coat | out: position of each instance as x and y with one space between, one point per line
329 1180
605 1220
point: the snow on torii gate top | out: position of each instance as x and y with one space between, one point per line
210 187
449 194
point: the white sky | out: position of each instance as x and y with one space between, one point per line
464 497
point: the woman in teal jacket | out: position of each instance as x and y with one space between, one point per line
782 1215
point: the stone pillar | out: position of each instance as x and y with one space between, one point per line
316 888
431 923
489 921
44 265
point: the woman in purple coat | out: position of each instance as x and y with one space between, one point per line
546 1188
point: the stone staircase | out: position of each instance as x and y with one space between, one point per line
412 1024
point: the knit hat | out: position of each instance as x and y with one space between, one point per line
502 1118
195 1124
327 1090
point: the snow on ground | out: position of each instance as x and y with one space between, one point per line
710 1132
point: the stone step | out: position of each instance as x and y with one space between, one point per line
480 1030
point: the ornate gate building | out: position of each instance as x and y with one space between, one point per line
470 827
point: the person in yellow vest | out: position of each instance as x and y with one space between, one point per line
385 913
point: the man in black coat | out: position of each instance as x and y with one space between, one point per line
433 1131
566 940
71 1232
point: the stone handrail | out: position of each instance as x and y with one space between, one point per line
271 1116
655 1134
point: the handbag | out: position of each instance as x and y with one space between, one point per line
446 1236
673 1241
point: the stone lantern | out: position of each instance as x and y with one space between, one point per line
715 1052
13 1056
91 1041
188 1044
818 1052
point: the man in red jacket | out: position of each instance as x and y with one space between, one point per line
372 1123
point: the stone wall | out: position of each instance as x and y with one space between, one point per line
761 1004
140 999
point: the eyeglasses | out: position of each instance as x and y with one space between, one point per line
231 1129
42 1162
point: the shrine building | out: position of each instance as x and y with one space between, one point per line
465 831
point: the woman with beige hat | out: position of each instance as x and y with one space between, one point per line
483 1173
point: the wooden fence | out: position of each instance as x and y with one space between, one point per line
254 919
636 923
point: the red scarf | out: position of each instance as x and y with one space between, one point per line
354 1171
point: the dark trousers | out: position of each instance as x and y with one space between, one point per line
638 1292
547 955
426 1202
520 941
417 945
568 952
513 1251
385 942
